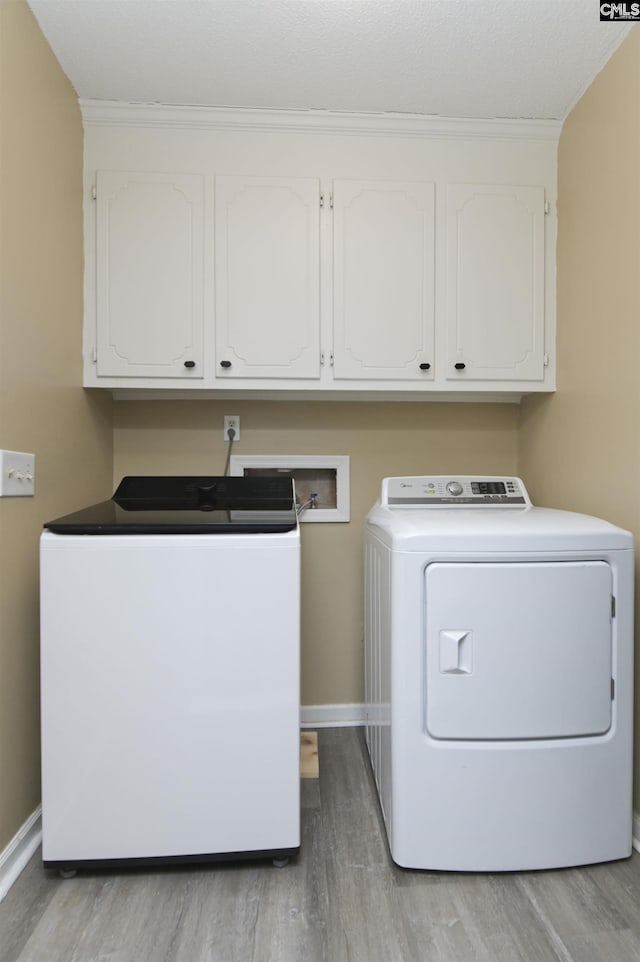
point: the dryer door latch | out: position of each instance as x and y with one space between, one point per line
456 656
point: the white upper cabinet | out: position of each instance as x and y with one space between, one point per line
267 271
383 295
314 255
495 282
149 275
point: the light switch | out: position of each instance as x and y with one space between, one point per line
17 474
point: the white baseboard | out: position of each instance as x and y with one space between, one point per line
331 716
19 850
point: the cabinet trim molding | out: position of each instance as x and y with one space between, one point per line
108 113
196 393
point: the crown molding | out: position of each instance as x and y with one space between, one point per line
107 113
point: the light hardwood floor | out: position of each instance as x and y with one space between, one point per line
341 900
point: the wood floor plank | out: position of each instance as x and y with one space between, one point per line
502 920
361 925
66 922
621 946
309 793
572 902
22 907
431 924
341 900
220 915
619 882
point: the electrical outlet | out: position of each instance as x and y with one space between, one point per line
232 421
17 474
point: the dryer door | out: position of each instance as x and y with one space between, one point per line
517 650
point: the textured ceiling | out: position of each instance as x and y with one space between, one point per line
452 58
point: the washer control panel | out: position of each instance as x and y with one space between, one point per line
462 490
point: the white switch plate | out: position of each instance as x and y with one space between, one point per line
17 474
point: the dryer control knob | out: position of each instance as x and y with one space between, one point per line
454 488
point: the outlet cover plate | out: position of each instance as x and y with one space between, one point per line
232 421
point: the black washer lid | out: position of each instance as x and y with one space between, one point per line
188 505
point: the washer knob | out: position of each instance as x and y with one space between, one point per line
454 488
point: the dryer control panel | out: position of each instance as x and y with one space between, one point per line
463 490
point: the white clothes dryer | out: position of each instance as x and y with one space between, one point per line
499 677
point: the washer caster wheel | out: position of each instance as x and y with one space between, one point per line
67 872
280 862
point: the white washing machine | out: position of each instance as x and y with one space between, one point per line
170 667
499 677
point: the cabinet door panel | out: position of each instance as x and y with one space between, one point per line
149 274
384 280
267 277
495 282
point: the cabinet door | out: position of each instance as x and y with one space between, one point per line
495 282
149 274
384 280
267 277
